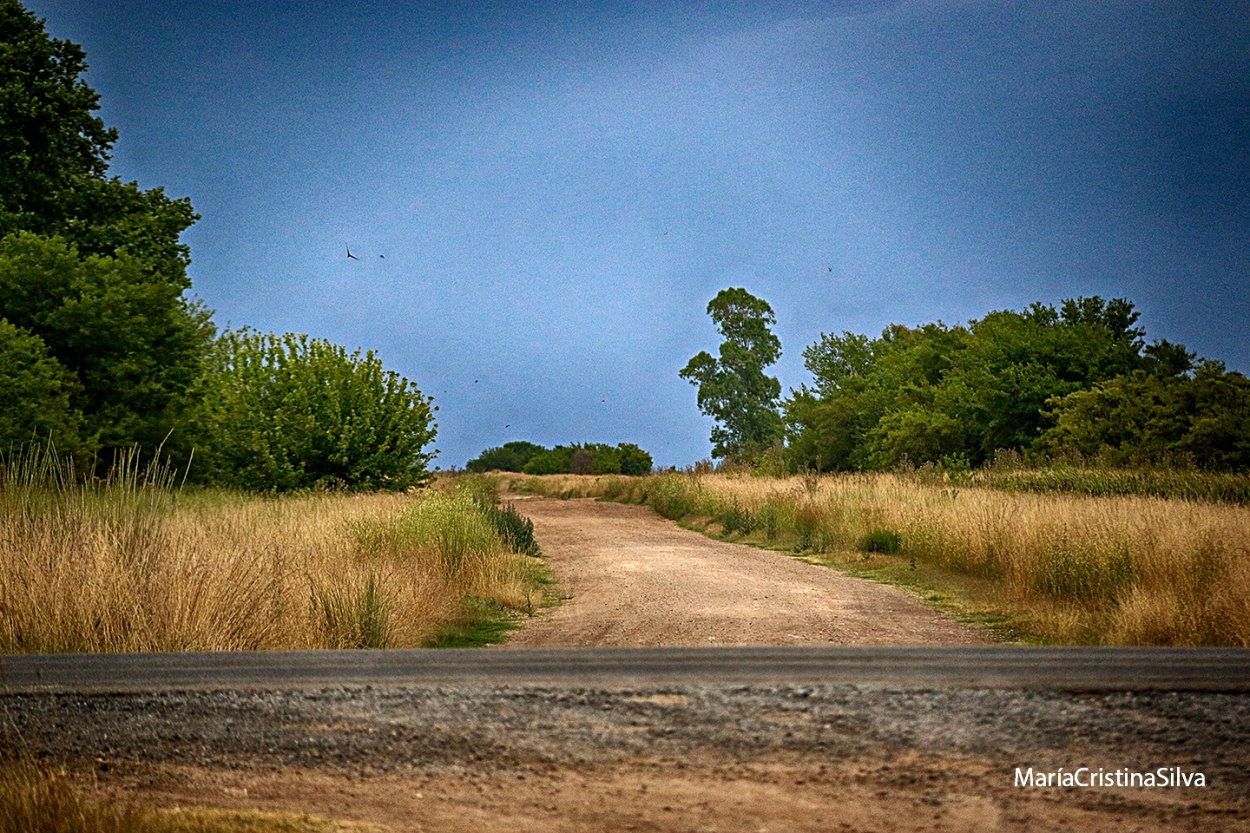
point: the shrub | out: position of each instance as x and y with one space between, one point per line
734 518
879 540
516 530
283 413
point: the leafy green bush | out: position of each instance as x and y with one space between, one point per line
36 406
288 412
879 540
634 461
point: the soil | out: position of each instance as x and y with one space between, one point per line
678 758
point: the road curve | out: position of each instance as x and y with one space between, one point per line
1071 669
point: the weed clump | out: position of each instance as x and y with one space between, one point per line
879 540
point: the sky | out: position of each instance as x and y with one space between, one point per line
544 197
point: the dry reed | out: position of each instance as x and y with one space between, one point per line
131 566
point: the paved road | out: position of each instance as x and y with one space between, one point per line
1084 669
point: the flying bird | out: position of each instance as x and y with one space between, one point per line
349 252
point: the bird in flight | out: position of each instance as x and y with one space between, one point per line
349 252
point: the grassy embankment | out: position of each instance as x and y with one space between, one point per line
1036 556
137 564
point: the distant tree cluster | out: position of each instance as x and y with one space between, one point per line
101 350
577 458
1077 380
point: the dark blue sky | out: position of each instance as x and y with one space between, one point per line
558 189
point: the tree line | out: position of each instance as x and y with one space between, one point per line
575 458
1072 381
101 350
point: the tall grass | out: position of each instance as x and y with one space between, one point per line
132 563
41 799
1076 568
1180 482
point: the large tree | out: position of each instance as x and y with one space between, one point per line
91 266
734 389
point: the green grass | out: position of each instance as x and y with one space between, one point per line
481 623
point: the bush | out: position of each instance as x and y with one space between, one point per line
734 518
879 540
282 413
516 530
588 458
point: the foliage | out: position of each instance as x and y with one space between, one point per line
1076 379
54 156
879 540
516 530
634 461
589 458
131 344
733 389
510 457
37 391
290 412
91 266
1142 418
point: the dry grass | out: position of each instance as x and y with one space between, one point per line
1074 569
36 799
131 567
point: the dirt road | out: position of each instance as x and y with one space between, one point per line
635 579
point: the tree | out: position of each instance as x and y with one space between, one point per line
92 266
935 392
132 343
733 389
510 457
288 412
634 460
35 406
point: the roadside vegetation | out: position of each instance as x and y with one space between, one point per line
136 563
1051 566
36 798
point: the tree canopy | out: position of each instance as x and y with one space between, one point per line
1076 379
733 388
92 267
